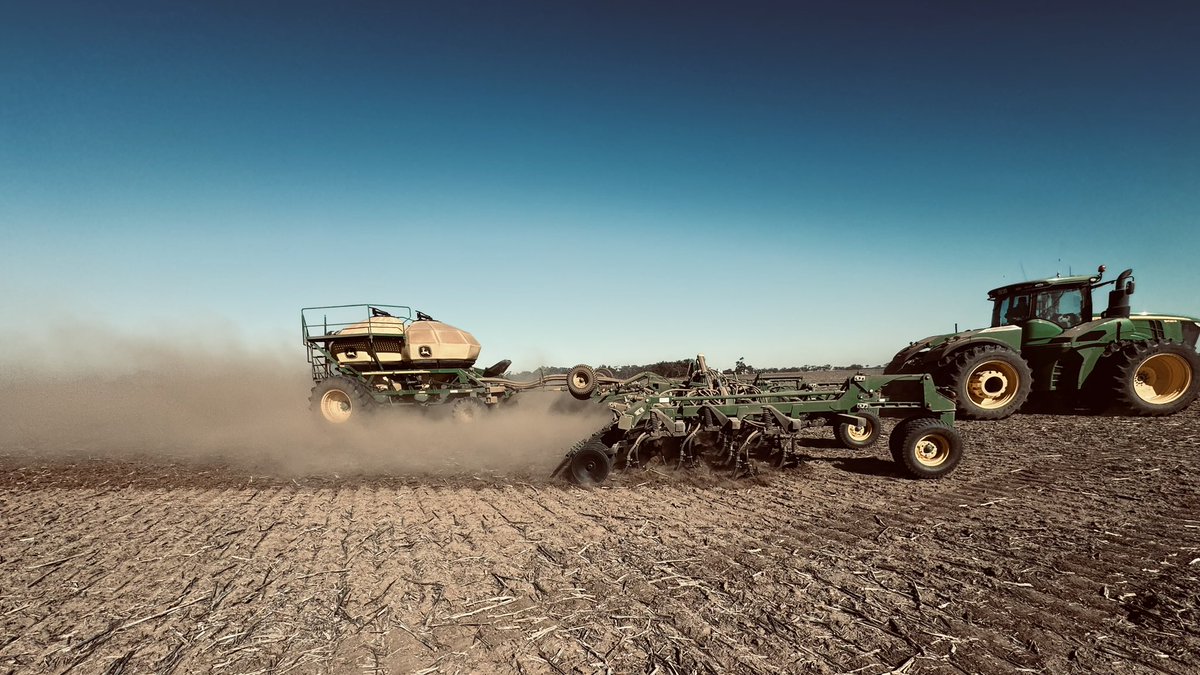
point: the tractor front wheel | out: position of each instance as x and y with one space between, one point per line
1154 378
990 382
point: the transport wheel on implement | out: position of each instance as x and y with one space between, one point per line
339 400
467 410
581 381
896 440
589 466
860 436
1155 378
926 447
990 382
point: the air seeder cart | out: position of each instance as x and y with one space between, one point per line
364 357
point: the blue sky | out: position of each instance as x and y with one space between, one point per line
593 182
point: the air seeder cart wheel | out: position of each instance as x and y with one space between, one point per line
863 436
581 381
339 400
589 466
990 382
926 447
468 409
1154 378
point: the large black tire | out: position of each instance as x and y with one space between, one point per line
899 432
581 381
858 437
468 409
339 400
1153 378
990 382
926 447
590 466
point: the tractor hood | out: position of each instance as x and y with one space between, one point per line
923 355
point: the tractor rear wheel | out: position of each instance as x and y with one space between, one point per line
926 447
339 400
861 436
990 382
1154 378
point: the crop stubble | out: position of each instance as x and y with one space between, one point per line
1062 544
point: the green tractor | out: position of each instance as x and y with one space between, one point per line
1046 340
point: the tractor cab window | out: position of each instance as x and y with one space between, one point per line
1063 307
1011 310
1066 307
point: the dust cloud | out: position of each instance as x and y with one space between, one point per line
96 394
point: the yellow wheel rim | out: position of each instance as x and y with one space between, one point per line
336 406
1162 378
861 433
932 450
580 380
993 384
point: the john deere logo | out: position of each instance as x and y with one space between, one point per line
425 351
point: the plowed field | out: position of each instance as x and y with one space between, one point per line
1062 544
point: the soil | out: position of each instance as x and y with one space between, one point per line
1061 544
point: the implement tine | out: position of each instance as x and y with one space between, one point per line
631 457
728 446
685 448
743 453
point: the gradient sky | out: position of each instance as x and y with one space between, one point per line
799 182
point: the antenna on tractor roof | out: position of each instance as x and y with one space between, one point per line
1024 275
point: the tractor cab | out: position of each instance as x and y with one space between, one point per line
1065 302
1054 305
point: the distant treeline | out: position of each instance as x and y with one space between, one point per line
680 369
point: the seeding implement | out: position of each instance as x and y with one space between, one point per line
374 356
1046 338
742 423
